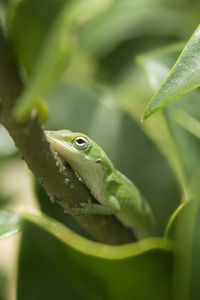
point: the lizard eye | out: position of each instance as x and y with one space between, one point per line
81 143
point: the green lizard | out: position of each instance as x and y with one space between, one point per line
116 194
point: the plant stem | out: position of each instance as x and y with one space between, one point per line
59 181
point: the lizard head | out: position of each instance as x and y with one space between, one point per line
78 150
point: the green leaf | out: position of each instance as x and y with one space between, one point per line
2 13
195 263
180 229
156 65
66 266
9 224
128 19
184 76
3 284
183 212
184 228
57 42
188 122
29 23
131 95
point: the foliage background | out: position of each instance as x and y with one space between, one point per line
97 64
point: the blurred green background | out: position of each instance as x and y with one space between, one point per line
97 64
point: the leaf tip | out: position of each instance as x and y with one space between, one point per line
146 114
20 114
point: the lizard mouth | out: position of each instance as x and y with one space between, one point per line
67 165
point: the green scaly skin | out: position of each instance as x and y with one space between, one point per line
116 194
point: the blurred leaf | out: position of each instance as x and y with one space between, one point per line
156 65
2 13
182 212
5 200
66 266
184 77
114 66
195 262
188 122
131 95
9 224
188 144
29 23
180 229
129 19
57 39
3 285
184 228
78 109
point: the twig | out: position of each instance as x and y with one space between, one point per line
58 180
